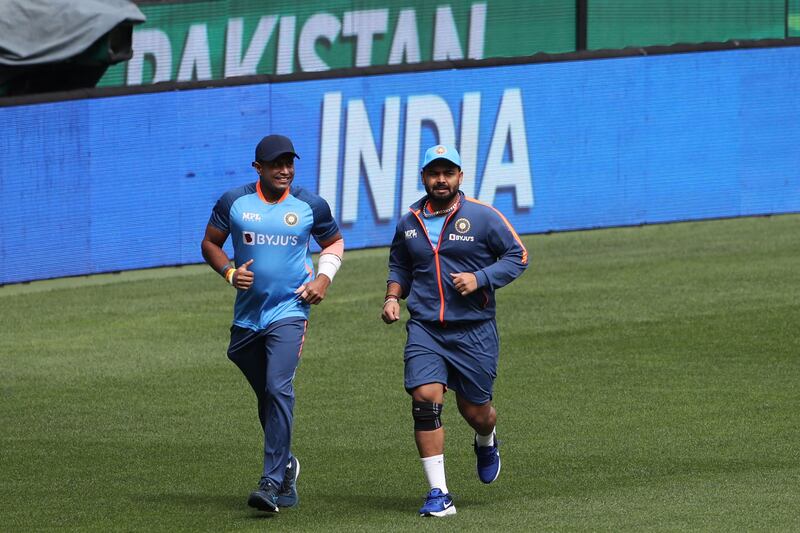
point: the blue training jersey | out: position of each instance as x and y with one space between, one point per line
277 237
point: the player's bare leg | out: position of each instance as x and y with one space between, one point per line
430 442
429 436
483 419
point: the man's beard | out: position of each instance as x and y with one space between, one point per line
441 199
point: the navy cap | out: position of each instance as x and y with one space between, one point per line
441 151
272 147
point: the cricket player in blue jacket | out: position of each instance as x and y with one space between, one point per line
270 223
448 256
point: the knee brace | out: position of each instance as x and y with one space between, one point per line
427 415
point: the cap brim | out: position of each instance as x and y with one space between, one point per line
276 155
432 161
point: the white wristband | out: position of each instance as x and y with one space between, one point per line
329 264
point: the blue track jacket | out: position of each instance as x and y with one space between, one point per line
475 238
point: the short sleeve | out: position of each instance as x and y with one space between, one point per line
220 215
324 226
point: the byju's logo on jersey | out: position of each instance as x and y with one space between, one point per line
462 226
253 217
251 238
411 233
290 219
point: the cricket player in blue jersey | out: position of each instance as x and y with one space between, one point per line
270 223
448 256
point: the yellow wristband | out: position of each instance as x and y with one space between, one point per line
229 275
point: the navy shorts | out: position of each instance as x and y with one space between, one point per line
461 356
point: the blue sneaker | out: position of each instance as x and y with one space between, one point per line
287 495
488 461
438 504
265 498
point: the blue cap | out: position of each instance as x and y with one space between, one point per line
272 147
441 151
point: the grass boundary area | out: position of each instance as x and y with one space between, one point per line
647 382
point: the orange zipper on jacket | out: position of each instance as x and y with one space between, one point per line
436 256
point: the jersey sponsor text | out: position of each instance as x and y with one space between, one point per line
251 238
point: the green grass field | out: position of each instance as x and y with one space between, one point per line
649 380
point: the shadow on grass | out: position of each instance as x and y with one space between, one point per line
207 502
358 503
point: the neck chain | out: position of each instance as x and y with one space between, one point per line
440 212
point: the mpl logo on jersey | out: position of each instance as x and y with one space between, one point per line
252 217
252 238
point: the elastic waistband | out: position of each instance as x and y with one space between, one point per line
453 326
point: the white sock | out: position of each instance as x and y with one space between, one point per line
434 472
485 440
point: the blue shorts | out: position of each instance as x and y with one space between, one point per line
461 356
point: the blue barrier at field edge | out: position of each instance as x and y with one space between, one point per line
128 182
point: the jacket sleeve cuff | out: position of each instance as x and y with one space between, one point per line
483 279
394 277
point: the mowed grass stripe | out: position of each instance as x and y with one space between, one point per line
648 381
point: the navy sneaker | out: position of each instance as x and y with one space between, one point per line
438 504
287 495
488 461
265 498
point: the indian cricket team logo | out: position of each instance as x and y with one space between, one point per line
290 219
462 225
440 150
